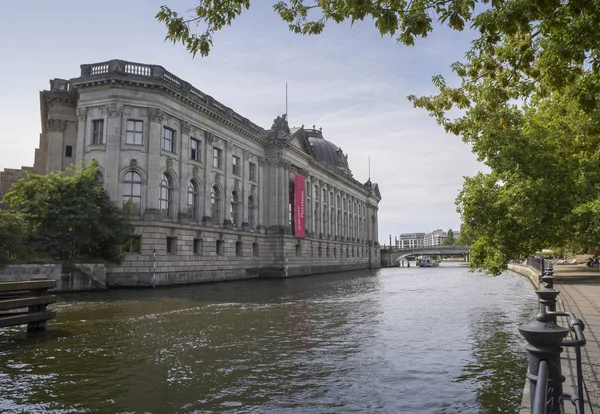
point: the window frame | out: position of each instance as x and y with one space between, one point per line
134 132
252 171
97 137
217 158
235 165
130 243
165 194
195 151
129 183
170 139
192 191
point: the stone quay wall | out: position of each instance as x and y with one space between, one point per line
529 272
71 277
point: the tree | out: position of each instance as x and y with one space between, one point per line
527 101
12 236
69 215
449 240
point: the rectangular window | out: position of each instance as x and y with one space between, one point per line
220 247
168 143
298 249
171 245
252 175
239 248
235 162
217 157
98 131
69 151
134 132
195 149
198 246
255 249
132 245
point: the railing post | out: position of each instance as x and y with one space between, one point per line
544 337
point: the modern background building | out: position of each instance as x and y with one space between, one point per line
212 195
410 240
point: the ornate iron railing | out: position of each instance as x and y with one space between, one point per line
546 339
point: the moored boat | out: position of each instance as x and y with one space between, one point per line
426 261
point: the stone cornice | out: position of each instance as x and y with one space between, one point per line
142 75
56 125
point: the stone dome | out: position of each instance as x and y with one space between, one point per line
326 151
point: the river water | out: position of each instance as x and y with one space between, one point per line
396 340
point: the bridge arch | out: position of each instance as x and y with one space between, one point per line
395 255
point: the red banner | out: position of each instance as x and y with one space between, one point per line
299 206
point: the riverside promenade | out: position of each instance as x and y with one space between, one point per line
579 288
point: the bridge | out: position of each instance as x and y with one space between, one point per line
390 257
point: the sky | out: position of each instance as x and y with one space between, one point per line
350 81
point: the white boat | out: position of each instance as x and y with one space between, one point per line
426 261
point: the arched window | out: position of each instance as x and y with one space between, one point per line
99 177
251 212
234 208
164 198
192 201
132 193
214 204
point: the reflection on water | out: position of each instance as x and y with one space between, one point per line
401 340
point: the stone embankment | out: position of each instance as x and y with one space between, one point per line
70 277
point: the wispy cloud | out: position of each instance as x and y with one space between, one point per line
350 81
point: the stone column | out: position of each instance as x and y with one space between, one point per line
55 129
376 228
245 194
208 147
153 162
261 184
226 205
369 223
114 114
307 206
81 136
183 154
285 208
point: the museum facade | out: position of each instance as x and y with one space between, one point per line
211 195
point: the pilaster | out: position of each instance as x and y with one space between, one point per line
208 182
262 187
81 136
113 147
244 201
226 205
156 117
55 130
183 153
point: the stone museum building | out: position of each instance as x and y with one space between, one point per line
212 195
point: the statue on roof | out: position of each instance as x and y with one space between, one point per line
280 127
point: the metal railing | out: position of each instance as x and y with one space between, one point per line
546 339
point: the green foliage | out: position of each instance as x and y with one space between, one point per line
12 236
69 215
449 240
404 19
527 100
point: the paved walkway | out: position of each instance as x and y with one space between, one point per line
579 288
